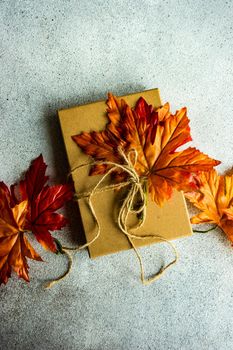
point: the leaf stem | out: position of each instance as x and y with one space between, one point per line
210 229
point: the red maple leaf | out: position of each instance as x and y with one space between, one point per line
43 201
29 206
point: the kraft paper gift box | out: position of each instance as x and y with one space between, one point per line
171 221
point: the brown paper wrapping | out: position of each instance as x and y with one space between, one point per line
171 221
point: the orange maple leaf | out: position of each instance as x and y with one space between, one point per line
215 200
155 134
14 246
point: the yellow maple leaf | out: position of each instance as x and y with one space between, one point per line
215 200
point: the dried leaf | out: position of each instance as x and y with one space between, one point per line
215 200
29 206
14 246
43 201
155 134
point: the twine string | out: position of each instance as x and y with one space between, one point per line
136 196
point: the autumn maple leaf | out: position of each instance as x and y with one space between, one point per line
43 201
215 200
14 246
155 134
29 206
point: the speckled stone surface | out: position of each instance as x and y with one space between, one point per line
55 54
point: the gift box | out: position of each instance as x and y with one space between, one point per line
170 221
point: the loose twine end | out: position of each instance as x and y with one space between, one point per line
136 194
50 284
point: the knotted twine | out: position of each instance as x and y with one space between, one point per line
135 195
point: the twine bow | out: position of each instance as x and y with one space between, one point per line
135 202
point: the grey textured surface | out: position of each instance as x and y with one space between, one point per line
56 54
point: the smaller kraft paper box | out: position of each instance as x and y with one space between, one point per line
170 222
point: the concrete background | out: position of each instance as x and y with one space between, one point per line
55 54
